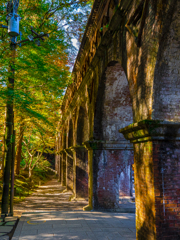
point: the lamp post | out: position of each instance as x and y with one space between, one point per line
13 31
13 20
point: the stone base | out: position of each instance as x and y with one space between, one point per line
157 178
87 208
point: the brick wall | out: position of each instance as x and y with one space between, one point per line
157 184
167 188
108 165
166 80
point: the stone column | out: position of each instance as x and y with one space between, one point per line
57 162
58 167
80 171
63 168
74 171
69 169
157 178
89 147
106 161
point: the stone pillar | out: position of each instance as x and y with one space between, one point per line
74 171
56 163
69 170
63 168
157 178
81 171
106 161
89 147
58 166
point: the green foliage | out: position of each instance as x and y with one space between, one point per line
42 73
24 187
41 169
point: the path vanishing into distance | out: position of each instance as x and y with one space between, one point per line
49 197
48 214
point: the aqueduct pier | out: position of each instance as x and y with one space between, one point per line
121 117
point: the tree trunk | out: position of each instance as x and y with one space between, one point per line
30 168
3 147
19 149
30 173
12 173
8 157
8 138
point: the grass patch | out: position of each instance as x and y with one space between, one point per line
23 186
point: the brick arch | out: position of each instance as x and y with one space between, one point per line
63 156
64 136
114 156
82 133
113 108
70 134
69 157
81 153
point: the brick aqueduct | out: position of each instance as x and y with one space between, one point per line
121 117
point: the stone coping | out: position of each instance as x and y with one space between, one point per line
148 130
108 145
99 144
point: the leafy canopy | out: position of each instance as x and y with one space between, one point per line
42 73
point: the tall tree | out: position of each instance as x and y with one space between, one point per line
19 147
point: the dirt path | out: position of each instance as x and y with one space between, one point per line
48 197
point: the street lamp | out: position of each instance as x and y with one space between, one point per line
13 24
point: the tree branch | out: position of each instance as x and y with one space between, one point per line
38 158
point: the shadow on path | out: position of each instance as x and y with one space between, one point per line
49 197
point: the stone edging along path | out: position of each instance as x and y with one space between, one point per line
7 227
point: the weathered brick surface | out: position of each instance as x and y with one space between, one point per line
157 178
157 184
167 71
167 188
113 107
108 166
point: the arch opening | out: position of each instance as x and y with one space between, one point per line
70 135
112 165
82 155
63 162
70 177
